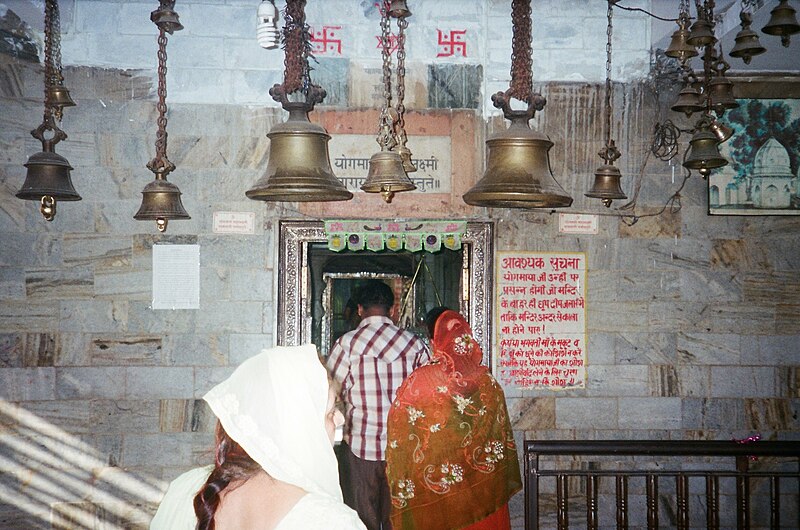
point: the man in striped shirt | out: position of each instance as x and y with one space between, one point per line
370 363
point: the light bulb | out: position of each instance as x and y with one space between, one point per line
267 25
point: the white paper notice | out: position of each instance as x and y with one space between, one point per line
176 276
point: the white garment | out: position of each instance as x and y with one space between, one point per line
312 511
274 405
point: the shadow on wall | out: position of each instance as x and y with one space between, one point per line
51 479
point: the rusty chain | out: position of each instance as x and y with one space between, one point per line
296 47
161 164
402 24
388 116
521 55
50 7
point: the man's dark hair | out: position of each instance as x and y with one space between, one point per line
374 293
431 317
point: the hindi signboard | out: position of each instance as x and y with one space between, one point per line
540 320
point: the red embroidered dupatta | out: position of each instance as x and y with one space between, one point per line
451 457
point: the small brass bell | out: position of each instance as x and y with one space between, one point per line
747 44
782 22
299 168
679 47
399 9
59 96
166 18
701 33
689 100
48 180
386 175
704 152
161 201
405 155
518 171
720 90
721 131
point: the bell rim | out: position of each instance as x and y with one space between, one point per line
31 196
512 199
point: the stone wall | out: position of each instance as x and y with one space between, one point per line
692 319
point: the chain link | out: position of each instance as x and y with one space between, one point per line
402 24
49 9
386 133
521 54
297 47
609 33
161 164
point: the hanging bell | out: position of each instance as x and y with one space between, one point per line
606 185
299 168
386 175
747 44
782 22
518 171
701 34
703 152
405 156
161 201
58 96
721 131
689 100
166 18
48 180
679 47
720 91
399 9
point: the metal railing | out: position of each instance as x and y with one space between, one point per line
572 481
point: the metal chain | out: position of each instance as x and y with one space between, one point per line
402 24
161 164
609 32
521 55
296 46
388 114
49 7
58 77
683 9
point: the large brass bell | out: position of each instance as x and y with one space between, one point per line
701 33
518 171
782 22
689 101
386 175
161 201
704 152
747 44
48 180
679 47
299 168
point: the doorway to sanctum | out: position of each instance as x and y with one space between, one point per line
315 283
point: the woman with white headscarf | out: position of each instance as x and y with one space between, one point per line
274 463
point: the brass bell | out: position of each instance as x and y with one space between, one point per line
782 22
701 33
299 168
399 9
679 47
720 90
386 175
703 152
58 96
518 171
747 44
721 131
689 100
161 201
166 18
606 185
48 180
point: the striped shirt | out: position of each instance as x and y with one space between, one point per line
370 363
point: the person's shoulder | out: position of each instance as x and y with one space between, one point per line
318 512
176 511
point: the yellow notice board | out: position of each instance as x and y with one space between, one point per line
540 320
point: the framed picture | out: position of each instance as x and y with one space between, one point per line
763 172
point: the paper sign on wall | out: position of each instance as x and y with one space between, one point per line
176 276
540 320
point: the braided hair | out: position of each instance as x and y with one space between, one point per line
231 464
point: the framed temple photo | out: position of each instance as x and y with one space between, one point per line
762 176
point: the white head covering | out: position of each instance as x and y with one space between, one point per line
274 406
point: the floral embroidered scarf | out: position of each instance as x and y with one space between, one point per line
451 457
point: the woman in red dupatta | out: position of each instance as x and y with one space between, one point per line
451 457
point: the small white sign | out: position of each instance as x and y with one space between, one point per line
578 223
234 223
176 276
